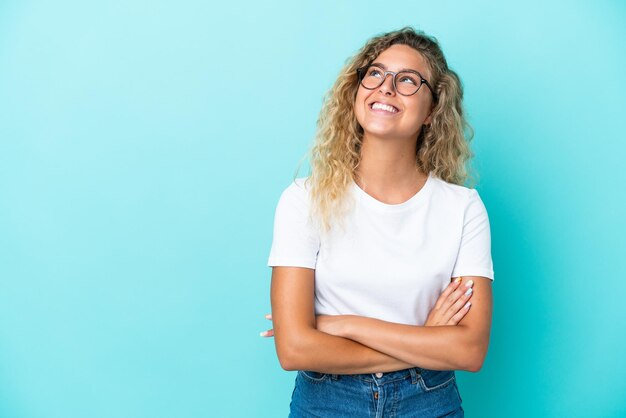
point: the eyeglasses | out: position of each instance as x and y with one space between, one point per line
407 82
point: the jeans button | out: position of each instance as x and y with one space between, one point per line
379 375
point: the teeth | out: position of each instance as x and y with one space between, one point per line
384 107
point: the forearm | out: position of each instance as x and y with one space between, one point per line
325 353
449 347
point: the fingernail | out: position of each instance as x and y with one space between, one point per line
457 280
267 316
467 305
469 291
468 284
263 333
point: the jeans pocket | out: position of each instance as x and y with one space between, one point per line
435 379
312 376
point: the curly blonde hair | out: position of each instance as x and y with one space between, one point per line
442 148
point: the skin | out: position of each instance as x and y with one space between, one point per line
450 308
388 169
454 337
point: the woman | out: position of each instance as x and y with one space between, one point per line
364 249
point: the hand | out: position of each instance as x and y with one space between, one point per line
452 305
269 332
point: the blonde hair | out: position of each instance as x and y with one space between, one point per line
442 148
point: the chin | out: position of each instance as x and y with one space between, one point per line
380 132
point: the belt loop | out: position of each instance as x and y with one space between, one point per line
414 374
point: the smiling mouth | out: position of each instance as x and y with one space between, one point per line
376 106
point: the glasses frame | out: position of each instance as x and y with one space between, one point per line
361 74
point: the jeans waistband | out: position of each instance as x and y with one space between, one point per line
386 377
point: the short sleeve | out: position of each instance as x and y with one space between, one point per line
474 257
295 241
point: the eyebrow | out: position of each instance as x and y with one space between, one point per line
384 67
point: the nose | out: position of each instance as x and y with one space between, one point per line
387 86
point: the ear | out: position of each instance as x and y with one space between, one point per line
429 118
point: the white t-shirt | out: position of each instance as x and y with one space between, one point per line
392 261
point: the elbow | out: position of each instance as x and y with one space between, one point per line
474 366
286 359
290 351
474 350
474 359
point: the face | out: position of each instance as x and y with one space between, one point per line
409 113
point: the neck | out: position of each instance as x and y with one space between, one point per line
388 164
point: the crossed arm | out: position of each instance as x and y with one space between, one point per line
346 344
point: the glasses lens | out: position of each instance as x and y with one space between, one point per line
407 83
372 77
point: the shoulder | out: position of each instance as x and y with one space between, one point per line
466 199
296 194
298 189
453 193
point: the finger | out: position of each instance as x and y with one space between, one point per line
456 318
460 300
268 333
452 286
268 316
443 302
461 303
459 291
449 299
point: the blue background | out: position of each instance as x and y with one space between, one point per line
143 148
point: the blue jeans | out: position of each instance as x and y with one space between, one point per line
413 392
